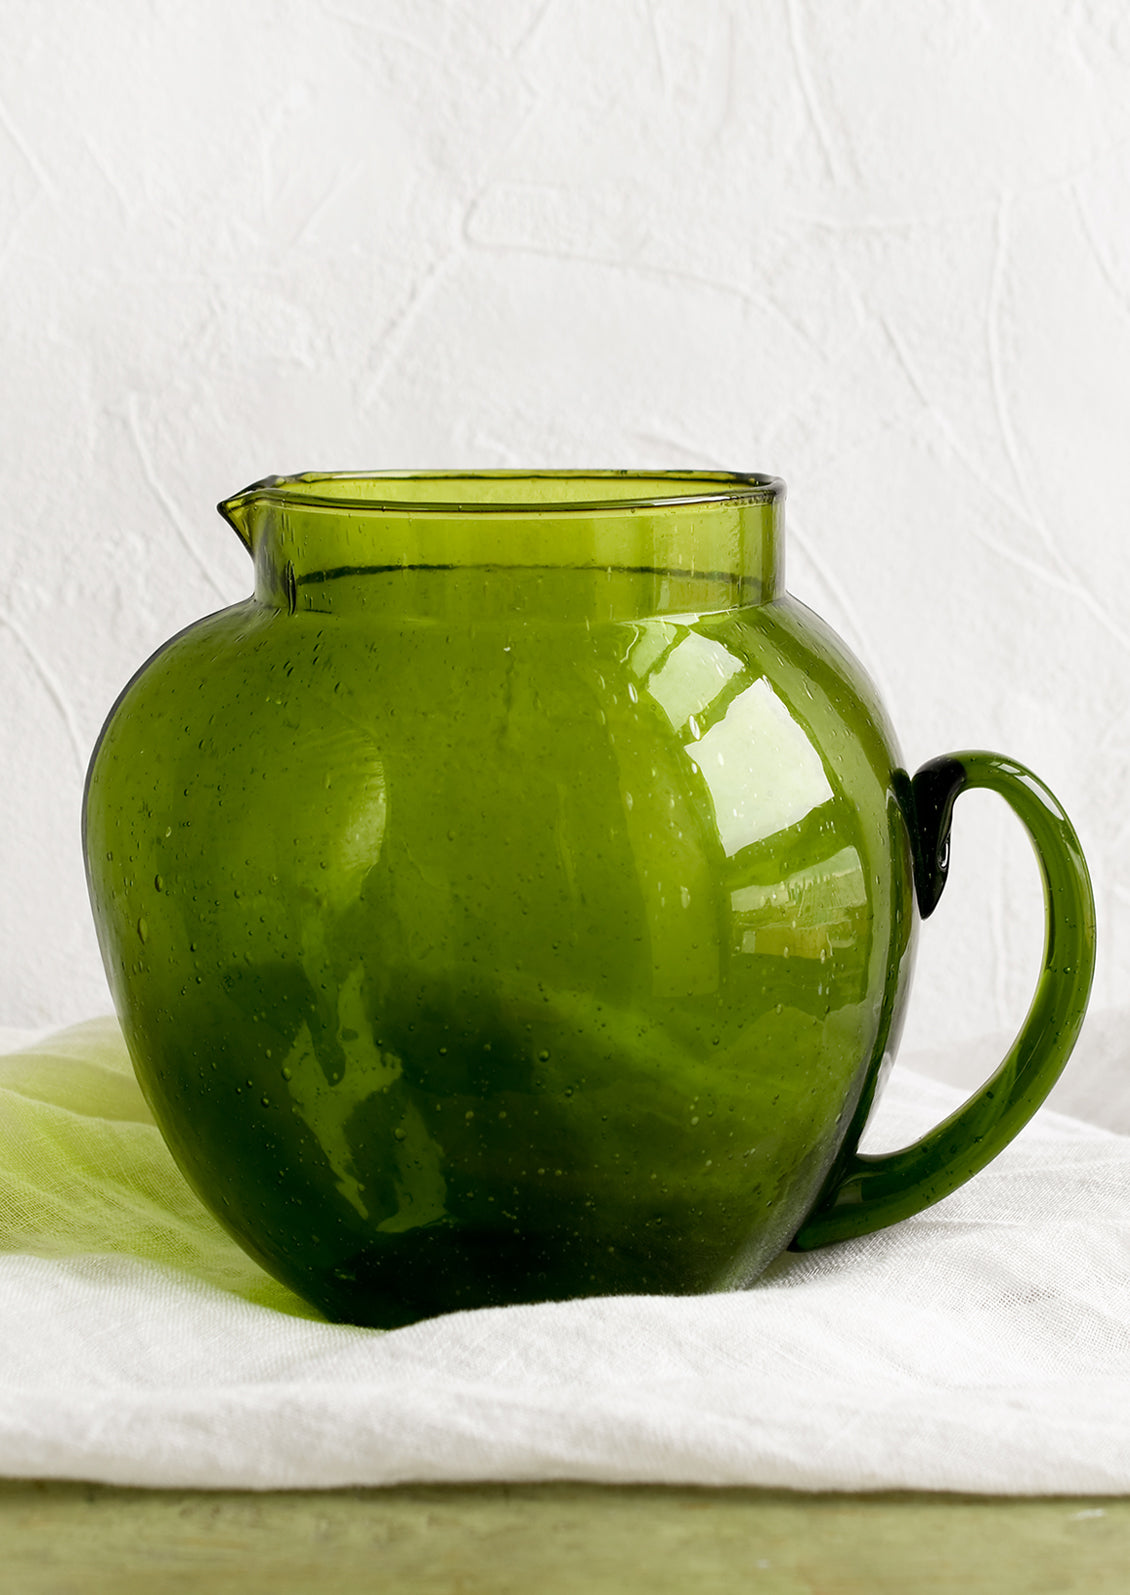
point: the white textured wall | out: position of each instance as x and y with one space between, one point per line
882 249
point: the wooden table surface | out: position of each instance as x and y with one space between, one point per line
77 1539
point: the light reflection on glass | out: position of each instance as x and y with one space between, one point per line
691 677
768 792
762 772
810 914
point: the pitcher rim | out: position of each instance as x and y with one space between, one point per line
700 487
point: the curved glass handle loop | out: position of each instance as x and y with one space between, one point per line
864 1192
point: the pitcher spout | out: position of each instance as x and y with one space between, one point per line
237 511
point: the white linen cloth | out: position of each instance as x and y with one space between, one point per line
982 1346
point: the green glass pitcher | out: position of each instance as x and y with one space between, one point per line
514 899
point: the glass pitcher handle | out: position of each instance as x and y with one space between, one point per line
866 1192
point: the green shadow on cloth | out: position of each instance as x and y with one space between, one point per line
84 1170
